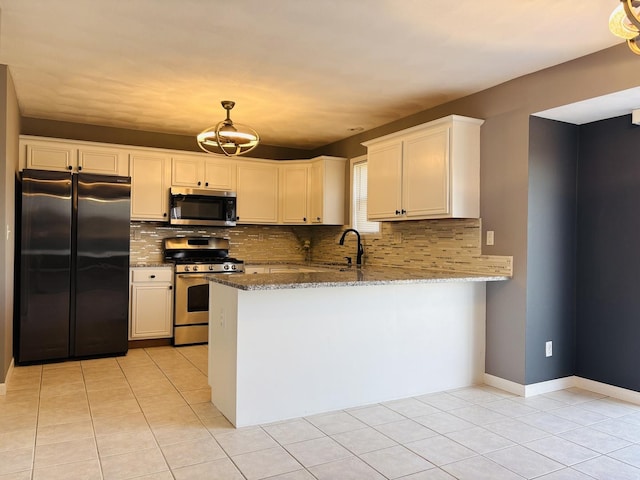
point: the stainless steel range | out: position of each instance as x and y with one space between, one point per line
194 258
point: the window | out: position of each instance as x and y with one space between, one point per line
359 198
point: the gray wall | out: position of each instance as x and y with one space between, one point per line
123 136
608 277
505 188
9 130
551 296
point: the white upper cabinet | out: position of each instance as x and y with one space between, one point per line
327 190
150 180
257 190
428 171
103 160
220 174
271 192
64 155
313 191
199 172
384 180
187 172
294 193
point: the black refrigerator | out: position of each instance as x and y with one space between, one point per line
72 266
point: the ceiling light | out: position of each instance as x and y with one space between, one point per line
228 138
624 22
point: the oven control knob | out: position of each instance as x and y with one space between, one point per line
226 267
210 267
195 268
186 268
233 267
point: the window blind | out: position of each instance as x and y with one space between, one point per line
359 200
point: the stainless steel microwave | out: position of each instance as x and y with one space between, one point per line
196 206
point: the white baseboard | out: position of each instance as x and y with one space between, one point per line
3 386
560 384
506 385
630 396
549 386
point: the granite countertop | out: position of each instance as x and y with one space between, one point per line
342 277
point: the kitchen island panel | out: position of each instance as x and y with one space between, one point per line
287 353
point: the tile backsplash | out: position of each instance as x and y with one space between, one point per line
452 244
251 243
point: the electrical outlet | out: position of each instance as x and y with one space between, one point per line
490 237
548 347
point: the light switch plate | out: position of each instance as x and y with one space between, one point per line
490 237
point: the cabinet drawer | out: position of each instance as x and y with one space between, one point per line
152 275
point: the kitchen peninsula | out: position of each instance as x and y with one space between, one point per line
295 344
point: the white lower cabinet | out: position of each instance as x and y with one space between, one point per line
151 303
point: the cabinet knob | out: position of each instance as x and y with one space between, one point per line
164 214
199 183
304 219
152 276
170 287
318 218
69 167
397 212
237 218
403 211
79 167
206 184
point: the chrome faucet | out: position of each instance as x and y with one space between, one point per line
360 248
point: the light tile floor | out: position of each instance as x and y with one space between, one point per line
148 416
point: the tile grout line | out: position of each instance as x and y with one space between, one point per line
35 436
155 440
93 427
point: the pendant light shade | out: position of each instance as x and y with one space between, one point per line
228 138
624 22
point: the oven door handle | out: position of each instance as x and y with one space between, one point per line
192 275
190 279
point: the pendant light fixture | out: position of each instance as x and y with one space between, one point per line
228 138
624 22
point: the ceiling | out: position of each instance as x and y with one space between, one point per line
303 73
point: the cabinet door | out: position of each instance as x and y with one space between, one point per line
103 161
220 174
151 308
187 172
327 190
149 187
57 157
384 181
294 190
316 195
257 193
425 175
